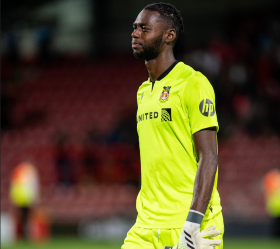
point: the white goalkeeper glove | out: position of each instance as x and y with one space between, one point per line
192 238
206 243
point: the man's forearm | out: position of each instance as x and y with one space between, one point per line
206 149
204 182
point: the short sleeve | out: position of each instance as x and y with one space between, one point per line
199 100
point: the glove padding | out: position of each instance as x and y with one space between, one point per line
192 238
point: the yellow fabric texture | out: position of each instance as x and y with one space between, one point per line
180 104
151 238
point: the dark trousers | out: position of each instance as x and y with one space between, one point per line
24 217
276 227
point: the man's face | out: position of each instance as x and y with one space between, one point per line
147 35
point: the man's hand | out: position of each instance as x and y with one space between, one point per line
192 238
203 242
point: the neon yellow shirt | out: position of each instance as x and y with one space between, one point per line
181 102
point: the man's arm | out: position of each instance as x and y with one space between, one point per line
206 148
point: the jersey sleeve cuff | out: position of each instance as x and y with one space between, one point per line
201 127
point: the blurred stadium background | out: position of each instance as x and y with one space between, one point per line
68 104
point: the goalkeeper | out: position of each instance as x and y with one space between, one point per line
178 204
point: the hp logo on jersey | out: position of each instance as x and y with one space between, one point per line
207 108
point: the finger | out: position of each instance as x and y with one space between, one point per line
212 233
211 242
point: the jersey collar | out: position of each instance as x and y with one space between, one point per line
167 71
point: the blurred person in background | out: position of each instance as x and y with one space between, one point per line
24 193
272 197
90 163
177 127
64 160
44 34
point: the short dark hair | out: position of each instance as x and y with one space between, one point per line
170 14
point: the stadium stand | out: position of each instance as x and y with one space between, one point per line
77 97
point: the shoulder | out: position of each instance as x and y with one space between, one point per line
183 71
189 76
197 81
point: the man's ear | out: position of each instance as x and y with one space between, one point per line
170 36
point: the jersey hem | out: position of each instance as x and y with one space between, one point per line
173 226
154 226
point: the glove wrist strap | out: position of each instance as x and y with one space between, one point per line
195 217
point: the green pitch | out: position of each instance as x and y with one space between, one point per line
75 243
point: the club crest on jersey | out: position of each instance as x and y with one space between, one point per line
165 94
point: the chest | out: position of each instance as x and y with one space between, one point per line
159 103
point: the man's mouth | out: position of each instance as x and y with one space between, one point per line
136 44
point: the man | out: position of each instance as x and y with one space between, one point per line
271 186
177 125
24 193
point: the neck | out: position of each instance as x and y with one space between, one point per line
159 65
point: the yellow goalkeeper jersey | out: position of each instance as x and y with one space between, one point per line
180 103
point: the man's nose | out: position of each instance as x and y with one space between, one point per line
135 33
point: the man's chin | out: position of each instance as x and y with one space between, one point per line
139 55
